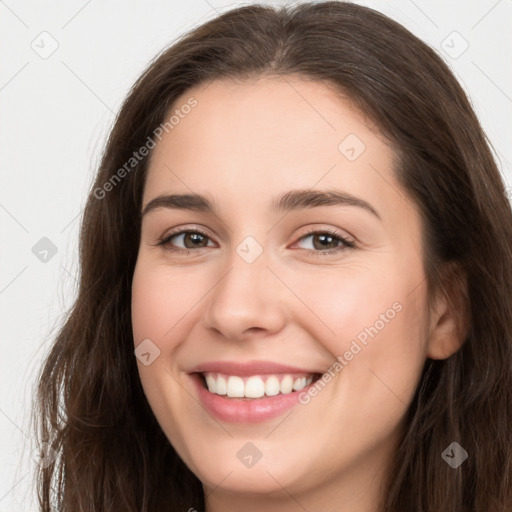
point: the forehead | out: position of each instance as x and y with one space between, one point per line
248 138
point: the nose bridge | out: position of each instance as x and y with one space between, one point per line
247 294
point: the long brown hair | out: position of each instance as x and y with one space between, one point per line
90 407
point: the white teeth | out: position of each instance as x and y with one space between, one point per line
299 383
221 386
210 382
255 386
272 386
235 386
287 384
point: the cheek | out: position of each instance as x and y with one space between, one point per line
155 310
157 306
363 303
383 355
372 324
160 298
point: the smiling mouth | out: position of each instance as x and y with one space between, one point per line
256 386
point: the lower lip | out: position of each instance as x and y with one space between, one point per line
254 410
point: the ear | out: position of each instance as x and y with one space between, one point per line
449 317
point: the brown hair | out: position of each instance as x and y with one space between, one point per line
112 454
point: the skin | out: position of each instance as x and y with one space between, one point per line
242 145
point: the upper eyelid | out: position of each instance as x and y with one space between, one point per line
344 238
308 231
186 229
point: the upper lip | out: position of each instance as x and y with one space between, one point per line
248 368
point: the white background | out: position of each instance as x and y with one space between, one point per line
57 111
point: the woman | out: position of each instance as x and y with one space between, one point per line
295 289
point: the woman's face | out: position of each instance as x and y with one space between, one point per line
267 296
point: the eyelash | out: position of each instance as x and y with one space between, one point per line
347 244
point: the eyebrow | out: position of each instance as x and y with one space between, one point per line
292 200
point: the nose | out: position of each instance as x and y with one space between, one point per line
247 300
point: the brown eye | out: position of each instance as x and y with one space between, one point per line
191 239
195 239
327 242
